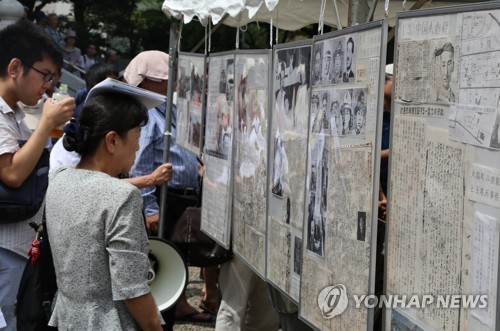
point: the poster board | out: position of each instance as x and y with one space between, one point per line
190 101
287 165
341 196
218 150
444 211
250 157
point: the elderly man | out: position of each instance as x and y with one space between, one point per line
149 70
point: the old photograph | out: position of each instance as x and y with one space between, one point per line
318 187
291 89
350 66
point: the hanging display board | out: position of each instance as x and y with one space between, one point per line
250 158
342 177
218 150
287 165
444 205
190 99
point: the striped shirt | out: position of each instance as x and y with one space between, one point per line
150 156
16 237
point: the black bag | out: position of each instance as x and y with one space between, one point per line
19 204
198 248
37 288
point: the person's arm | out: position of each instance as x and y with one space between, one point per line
143 310
127 247
16 167
161 175
149 155
384 156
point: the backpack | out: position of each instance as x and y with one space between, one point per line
38 285
19 204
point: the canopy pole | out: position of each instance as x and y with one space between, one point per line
372 11
172 74
339 22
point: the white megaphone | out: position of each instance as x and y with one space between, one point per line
167 275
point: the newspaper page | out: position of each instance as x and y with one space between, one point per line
339 218
444 221
424 242
250 158
485 265
190 98
287 165
217 179
338 228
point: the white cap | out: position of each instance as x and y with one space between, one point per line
389 69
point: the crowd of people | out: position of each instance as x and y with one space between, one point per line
98 221
75 61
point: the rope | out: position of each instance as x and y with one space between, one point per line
209 36
322 16
386 8
271 33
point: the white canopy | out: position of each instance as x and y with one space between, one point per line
286 14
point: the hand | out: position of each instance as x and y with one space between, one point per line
162 174
200 169
152 224
56 114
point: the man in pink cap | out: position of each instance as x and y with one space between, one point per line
149 70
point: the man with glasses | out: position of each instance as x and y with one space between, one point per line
29 61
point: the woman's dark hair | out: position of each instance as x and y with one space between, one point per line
97 73
100 115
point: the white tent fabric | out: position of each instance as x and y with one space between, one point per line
203 9
286 14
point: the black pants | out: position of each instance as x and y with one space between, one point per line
176 205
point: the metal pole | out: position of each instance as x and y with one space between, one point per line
172 74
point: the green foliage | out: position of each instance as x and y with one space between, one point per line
136 25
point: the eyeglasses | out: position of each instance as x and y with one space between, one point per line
47 76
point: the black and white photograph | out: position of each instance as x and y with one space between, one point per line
350 67
318 187
444 59
359 106
291 89
317 63
297 255
323 120
197 79
346 114
361 228
230 80
338 51
280 169
326 68
183 83
190 101
225 128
